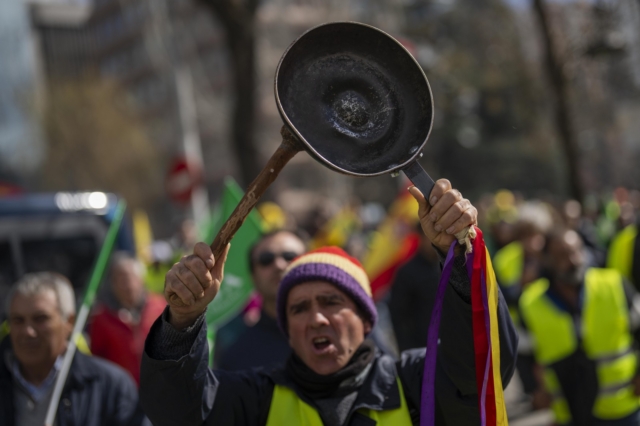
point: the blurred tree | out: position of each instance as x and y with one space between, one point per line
239 20
555 68
95 141
489 131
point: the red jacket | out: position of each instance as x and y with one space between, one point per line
117 339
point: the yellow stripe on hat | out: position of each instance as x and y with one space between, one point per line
339 262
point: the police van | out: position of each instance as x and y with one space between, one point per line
61 232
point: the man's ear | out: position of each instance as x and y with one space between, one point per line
70 321
367 327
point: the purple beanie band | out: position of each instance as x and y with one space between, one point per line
307 272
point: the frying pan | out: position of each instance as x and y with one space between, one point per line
356 100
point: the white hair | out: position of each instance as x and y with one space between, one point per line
122 257
536 214
39 282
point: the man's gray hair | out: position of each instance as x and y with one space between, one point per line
120 257
38 282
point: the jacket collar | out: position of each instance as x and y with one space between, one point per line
378 392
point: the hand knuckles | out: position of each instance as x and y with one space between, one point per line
468 217
444 182
180 268
193 262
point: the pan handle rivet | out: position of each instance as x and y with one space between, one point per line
395 174
421 154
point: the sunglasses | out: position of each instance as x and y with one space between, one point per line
266 258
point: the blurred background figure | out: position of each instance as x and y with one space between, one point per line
582 321
120 324
241 346
574 219
162 257
516 265
499 218
415 283
624 252
41 308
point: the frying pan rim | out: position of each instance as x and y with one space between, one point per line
308 146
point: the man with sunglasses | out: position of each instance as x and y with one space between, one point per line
268 259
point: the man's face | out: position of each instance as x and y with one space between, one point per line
566 259
38 332
127 283
271 257
324 326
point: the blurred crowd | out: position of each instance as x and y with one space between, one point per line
569 272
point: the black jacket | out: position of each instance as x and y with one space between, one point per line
414 285
97 393
186 392
265 334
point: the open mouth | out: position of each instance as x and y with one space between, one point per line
321 343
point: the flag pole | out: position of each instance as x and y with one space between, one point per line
87 302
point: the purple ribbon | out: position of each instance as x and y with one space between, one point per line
428 400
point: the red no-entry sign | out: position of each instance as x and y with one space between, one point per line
183 177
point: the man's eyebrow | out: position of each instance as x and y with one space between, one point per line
330 297
298 305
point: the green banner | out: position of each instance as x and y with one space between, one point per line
237 285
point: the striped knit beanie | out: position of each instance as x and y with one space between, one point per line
331 265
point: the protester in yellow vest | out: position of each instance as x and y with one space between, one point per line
624 254
335 375
516 265
581 321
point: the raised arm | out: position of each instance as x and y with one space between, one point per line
446 214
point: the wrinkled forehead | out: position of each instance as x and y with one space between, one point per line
281 241
44 300
313 290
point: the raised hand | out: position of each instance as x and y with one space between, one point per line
446 213
192 283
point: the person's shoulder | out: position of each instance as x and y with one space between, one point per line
99 312
102 369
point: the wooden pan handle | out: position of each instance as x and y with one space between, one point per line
289 147
285 152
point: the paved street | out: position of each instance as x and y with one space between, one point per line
518 409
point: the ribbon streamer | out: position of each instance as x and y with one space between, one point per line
486 338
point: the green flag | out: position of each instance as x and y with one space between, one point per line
237 285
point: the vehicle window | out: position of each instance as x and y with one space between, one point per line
74 257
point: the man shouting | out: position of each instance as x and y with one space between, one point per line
335 375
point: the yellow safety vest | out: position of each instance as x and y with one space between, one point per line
508 263
287 409
621 253
606 340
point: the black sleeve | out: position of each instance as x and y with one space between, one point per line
187 392
404 303
456 388
456 354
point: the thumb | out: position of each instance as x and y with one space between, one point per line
423 206
217 272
